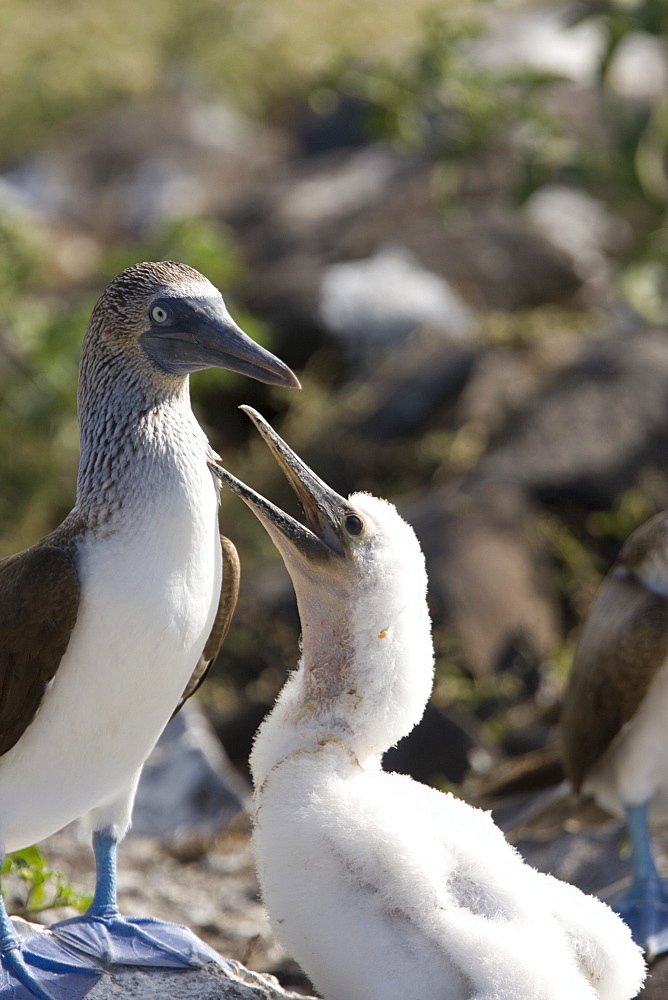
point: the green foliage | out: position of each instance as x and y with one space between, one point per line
441 101
39 334
206 245
43 888
578 569
61 62
630 510
631 166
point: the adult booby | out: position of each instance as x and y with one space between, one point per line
110 622
381 887
614 721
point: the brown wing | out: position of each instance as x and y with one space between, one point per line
229 593
623 644
39 601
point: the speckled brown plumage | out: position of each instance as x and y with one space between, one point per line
623 644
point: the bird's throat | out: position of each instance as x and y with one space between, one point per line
133 445
327 659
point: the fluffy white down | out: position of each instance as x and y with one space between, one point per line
385 889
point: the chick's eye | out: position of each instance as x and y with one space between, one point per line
159 315
354 524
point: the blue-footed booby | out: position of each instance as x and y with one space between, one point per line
110 622
614 720
381 887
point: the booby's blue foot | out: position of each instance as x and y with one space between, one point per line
645 906
22 983
645 909
35 967
116 940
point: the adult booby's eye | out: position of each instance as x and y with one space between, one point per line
159 315
354 524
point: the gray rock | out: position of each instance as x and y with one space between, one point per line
583 228
639 68
489 576
230 981
188 787
380 300
413 387
210 983
129 170
593 427
544 40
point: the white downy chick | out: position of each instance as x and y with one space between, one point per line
383 888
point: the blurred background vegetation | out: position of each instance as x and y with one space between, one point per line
505 161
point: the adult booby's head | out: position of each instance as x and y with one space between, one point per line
360 581
170 321
153 325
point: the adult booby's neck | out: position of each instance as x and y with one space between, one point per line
135 431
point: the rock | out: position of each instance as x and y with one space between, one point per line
292 228
339 185
508 262
320 227
188 787
377 302
639 68
413 388
337 121
656 987
592 429
210 983
582 227
127 171
228 981
543 40
590 859
489 581
446 743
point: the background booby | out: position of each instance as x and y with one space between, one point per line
381 887
110 622
614 721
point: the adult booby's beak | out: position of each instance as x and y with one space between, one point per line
199 333
324 510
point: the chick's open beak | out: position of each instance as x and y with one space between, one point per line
324 510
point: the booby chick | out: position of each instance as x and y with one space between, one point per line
110 622
381 887
614 721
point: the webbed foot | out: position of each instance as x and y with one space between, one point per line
38 967
644 908
143 941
